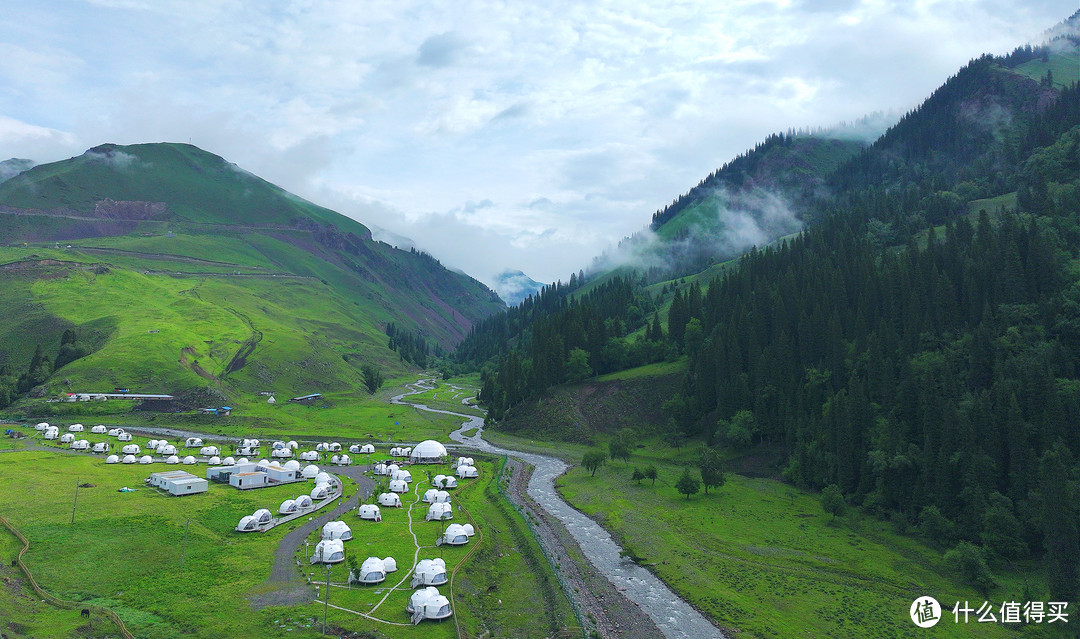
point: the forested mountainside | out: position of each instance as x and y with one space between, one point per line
164 267
918 345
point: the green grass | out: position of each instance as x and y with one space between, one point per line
762 557
126 548
1065 67
649 370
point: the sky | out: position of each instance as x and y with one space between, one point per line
496 135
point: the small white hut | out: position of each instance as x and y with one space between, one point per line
369 512
193 442
131 449
188 460
309 455
80 444
403 475
328 551
427 603
52 432
114 432
146 459
336 530
75 428
380 469
41 426
467 472
372 571
228 461
320 491
455 535
281 453
112 459
429 572
292 464
428 451
341 460
439 512
214 461
287 507
99 430
66 438
390 500
209 451
123 437
311 471
167 449
399 486
247 524
101 447
303 502
129 459
367 449
172 459
263 516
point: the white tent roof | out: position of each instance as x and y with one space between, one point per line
441 511
322 478
189 460
228 461
399 486
467 471
131 449
287 506
129 459
262 515
367 448
429 572
172 459
310 471
292 464
247 524
214 461
99 430
336 530
146 459
403 475
322 491
328 551
112 459
372 571
389 499
303 501
370 512
428 450
427 603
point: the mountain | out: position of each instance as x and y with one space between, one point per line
14 166
167 267
916 346
514 286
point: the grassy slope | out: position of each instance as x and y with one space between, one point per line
1064 65
758 555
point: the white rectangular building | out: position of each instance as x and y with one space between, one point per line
179 482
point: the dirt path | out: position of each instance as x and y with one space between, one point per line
285 586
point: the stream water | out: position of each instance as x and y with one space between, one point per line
675 618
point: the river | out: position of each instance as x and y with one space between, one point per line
671 614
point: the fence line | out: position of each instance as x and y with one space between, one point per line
567 590
56 601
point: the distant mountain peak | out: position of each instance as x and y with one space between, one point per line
514 286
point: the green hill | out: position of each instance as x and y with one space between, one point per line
174 269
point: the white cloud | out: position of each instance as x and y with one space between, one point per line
565 125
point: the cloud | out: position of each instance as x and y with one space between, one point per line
574 121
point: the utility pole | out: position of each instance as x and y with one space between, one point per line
76 503
326 599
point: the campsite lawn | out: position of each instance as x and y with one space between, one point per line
124 552
763 558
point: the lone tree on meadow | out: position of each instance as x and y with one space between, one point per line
650 473
593 460
637 476
619 446
373 378
711 467
832 500
687 484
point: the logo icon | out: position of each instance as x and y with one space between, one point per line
925 612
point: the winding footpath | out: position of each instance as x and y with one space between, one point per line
675 618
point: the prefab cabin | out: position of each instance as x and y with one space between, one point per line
244 481
178 482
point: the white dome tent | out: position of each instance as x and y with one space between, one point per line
172 459
167 449
399 486
391 500
112 459
292 464
214 461
369 512
380 469
188 461
287 507
455 535
367 449
146 459
228 461
247 524
66 438
278 445
428 451
321 491
114 432
131 449
396 452
434 496
123 437
464 461
341 460
328 551
467 472
310 471
129 459
51 432
75 428
41 426
439 512
99 430
209 451
403 475
154 443
354 449
429 572
281 453
336 530
309 455
101 447
80 444
193 442
427 603
262 515
333 447
303 502
372 571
